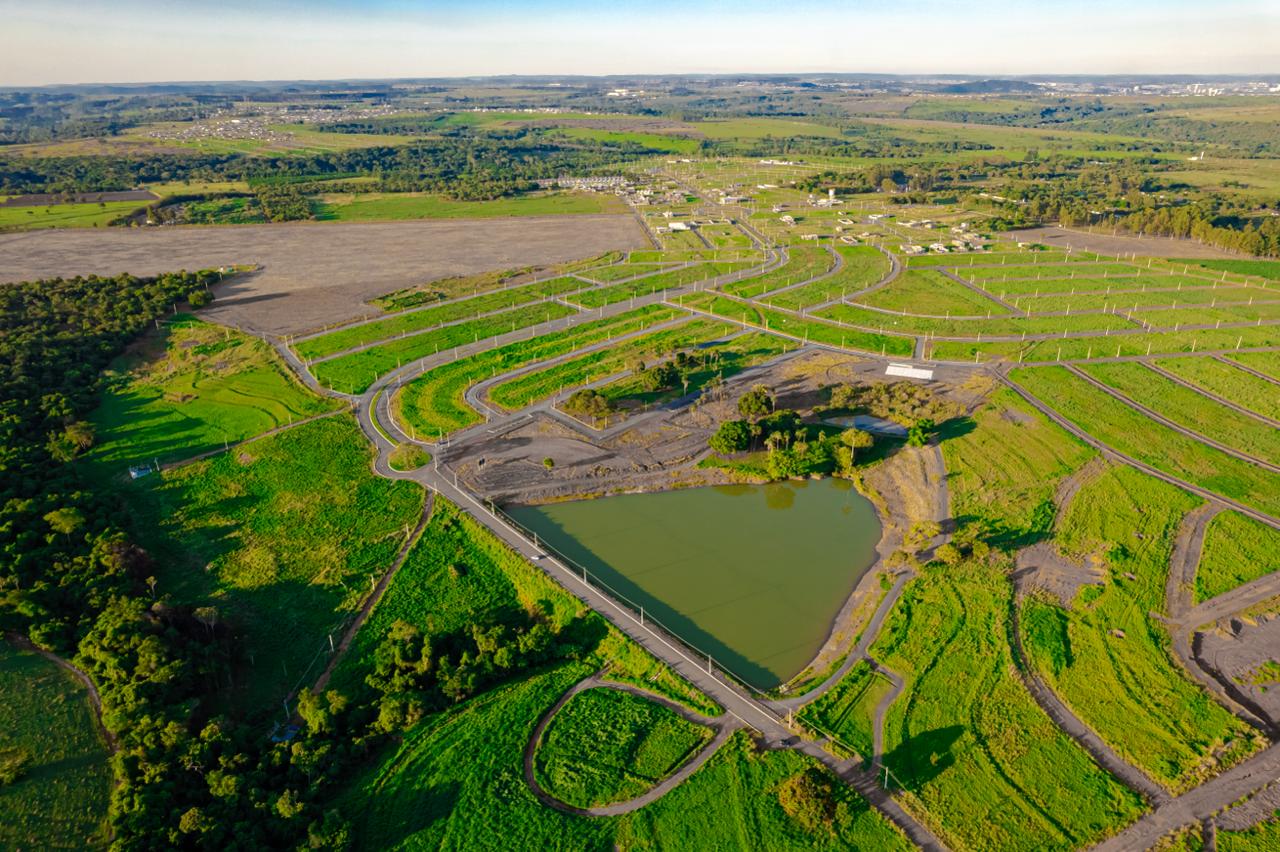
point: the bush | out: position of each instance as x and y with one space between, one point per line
13 765
733 436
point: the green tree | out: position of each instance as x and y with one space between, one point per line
733 436
756 403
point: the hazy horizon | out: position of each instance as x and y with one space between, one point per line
61 42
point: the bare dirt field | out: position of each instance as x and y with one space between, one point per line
1240 650
313 274
1106 244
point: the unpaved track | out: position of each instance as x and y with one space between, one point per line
724 727
315 273
1198 804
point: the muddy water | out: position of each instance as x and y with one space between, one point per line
755 575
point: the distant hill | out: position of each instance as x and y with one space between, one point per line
989 87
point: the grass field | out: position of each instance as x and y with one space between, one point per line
925 291
283 537
190 388
607 746
863 266
795 326
651 284
723 359
1108 658
996 258
847 712
60 800
990 768
803 262
1001 323
419 320
1262 837
1190 409
609 274
1237 549
1128 431
1264 268
66 215
1224 340
655 141
433 403
1263 362
540 384
378 207
354 372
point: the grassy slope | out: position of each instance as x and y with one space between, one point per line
1128 431
282 536
61 800
1237 549
1112 662
965 737
378 207
1229 382
607 746
208 385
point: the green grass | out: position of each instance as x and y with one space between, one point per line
353 373
1128 431
1266 363
847 712
377 207
986 274
408 457
996 258
1000 324
427 318
803 262
655 141
863 266
928 292
655 283
433 403
1264 268
1190 409
965 738
977 754
618 271
1130 300
607 746
92 215
1262 837
723 359
1113 664
540 384
192 387
1237 549
1118 287
1082 348
60 801
283 536
798 327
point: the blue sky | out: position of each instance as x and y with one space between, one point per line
74 41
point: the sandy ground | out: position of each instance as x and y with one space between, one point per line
1120 244
315 273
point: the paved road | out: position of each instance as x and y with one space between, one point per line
724 727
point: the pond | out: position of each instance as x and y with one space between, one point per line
753 575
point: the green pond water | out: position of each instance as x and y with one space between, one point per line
753 575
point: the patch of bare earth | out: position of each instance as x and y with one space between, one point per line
314 273
1119 244
1240 650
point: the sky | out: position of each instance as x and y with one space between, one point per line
90 41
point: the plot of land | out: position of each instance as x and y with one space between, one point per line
314 274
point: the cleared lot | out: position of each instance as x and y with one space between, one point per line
315 274
1106 244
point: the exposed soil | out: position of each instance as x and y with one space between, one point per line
1106 244
314 273
1257 808
1235 648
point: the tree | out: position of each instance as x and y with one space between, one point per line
755 403
65 520
733 436
549 463
949 554
918 434
920 534
199 298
